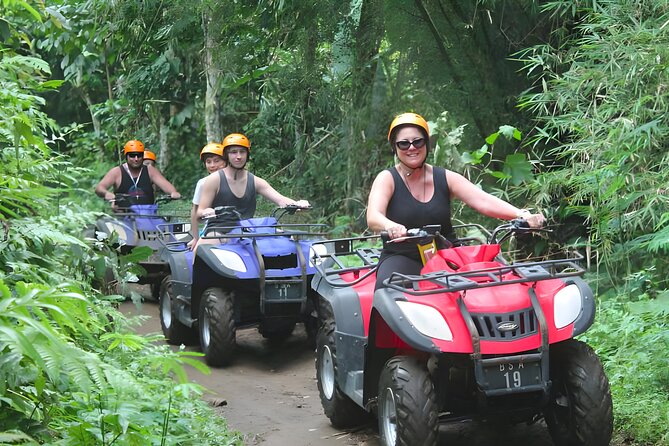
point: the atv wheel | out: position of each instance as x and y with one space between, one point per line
408 413
580 412
217 327
338 407
174 331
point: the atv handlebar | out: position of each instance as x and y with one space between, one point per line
289 209
225 211
127 198
428 233
231 211
513 227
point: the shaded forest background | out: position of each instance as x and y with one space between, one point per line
313 84
557 105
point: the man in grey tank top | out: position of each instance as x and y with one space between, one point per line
235 186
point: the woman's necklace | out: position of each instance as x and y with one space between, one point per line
406 176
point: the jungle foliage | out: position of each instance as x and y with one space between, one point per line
577 90
71 370
600 105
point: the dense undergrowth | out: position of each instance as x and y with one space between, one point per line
71 370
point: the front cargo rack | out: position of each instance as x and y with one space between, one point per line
523 272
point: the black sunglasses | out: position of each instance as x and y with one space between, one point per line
404 144
135 155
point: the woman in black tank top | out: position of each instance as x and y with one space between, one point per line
413 194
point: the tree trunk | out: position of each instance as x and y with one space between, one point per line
95 121
164 158
212 101
362 121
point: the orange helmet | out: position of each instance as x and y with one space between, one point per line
133 146
213 148
236 139
408 119
149 155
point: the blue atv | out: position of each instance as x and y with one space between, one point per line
245 272
132 226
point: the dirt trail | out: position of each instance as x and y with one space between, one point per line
270 395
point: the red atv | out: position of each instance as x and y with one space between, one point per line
471 337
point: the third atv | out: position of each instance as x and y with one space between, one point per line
472 337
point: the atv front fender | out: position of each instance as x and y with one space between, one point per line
181 269
385 305
587 316
345 305
205 253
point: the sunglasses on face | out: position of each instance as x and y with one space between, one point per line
135 155
404 144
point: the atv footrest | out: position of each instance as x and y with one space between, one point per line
354 385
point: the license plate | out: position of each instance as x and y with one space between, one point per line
283 291
512 375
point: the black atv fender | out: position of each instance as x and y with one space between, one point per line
208 272
102 224
206 256
385 307
345 306
350 336
386 315
587 315
179 270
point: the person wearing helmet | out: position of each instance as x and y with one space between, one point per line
211 156
413 194
149 158
134 178
235 186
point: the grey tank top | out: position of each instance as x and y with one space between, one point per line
246 205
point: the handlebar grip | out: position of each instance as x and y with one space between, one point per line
385 237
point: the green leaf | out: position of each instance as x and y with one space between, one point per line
475 157
518 168
490 140
499 175
510 132
52 84
137 254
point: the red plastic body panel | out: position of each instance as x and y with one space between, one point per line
498 299
365 291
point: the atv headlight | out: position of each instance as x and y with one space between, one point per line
230 260
426 320
316 252
120 230
566 305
